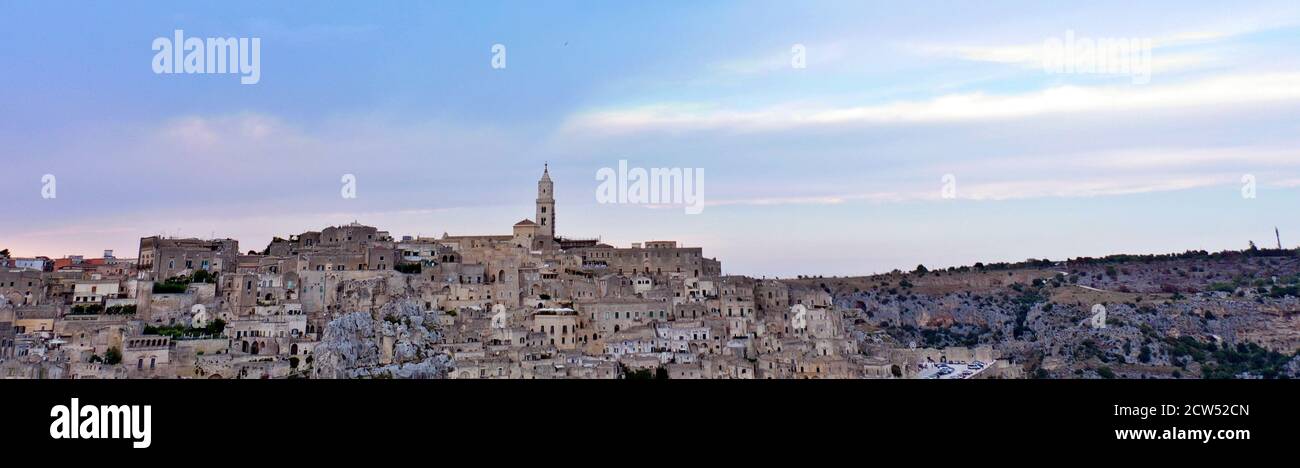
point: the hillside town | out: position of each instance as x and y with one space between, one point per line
354 301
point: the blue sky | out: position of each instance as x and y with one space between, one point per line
831 169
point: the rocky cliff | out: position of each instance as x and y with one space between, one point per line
397 341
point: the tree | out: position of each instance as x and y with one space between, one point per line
639 374
215 328
4 253
921 269
897 371
202 276
113 356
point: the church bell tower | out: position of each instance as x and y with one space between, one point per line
546 204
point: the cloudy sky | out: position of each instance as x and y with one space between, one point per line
834 168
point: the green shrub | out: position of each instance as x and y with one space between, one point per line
121 310
113 356
1223 287
87 309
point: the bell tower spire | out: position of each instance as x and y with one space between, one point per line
546 203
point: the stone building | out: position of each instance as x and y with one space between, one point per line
656 258
7 330
563 328
163 257
146 352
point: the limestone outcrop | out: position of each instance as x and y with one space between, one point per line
398 341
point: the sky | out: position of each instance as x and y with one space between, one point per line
836 138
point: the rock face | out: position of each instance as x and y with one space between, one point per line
1164 318
398 342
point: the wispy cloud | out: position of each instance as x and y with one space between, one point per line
982 187
1138 159
1165 58
837 199
1127 171
816 56
1210 92
1073 187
